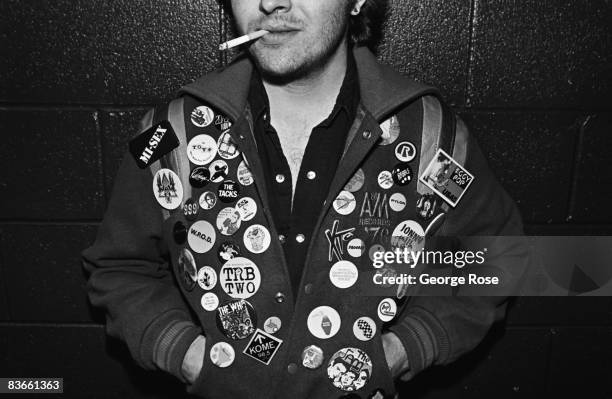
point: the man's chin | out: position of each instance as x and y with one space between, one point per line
280 72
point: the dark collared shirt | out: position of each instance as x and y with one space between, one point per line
321 158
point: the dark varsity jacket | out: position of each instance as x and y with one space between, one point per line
188 245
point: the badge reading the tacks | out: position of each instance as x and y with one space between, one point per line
201 149
345 203
349 369
202 116
228 191
324 322
168 189
226 147
153 144
447 178
187 269
240 278
236 319
257 238
262 347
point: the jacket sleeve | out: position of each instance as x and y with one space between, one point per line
436 330
130 278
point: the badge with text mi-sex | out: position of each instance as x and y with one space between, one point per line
168 189
240 278
324 322
153 144
262 347
447 178
349 369
236 319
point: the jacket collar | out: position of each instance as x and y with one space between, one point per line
382 89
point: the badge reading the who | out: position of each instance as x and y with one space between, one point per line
447 178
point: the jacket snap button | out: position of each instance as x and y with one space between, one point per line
282 238
292 368
308 288
280 297
300 238
367 134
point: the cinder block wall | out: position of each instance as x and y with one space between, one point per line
532 79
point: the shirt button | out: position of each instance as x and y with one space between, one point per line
292 368
367 134
280 178
300 238
282 238
280 297
311 175
308 288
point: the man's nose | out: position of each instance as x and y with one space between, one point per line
279 6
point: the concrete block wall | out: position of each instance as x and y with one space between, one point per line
533 80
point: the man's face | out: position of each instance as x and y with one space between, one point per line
304 33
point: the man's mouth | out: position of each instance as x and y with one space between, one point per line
279 33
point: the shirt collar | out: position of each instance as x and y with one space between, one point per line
347 100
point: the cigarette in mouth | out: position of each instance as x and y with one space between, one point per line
242 39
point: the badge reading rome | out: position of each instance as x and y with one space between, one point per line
262 347
447 178
153 144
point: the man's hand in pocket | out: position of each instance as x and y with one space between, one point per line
194 358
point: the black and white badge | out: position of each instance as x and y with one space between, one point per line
228 191
218 171
240 278
191 209
405 151
427 206
349 369
207 278
187 270
207 200
236 319
202 116
201 149
153 144
227 250
199 177
390 130
402 174
226 146
167 189
262 347
447 178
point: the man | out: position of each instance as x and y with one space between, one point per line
325 146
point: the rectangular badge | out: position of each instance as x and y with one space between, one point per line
262 347
447 178
153 144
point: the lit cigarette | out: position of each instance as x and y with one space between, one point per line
242 39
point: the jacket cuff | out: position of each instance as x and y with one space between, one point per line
167 340
425 340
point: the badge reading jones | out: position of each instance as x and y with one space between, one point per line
447 178
349 369
237 319
262 347
153 144
240 278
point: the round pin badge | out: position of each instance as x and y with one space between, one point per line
199 177
427 206
257 238
222 122
226 147
202 116
356 182
247 208
187 269
345 203
240 278
387 309
323 322
390 130
356 247
168 189
179 232
191 209
272 325
402 174
312 357
236 319
408 235
385 179
201 149
405 151
201 236
228 191
207 200
228 221
209 301
207 278
374 249
364 328
218 171
244 175
227 250
343 274
349 369
222 354
397 202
